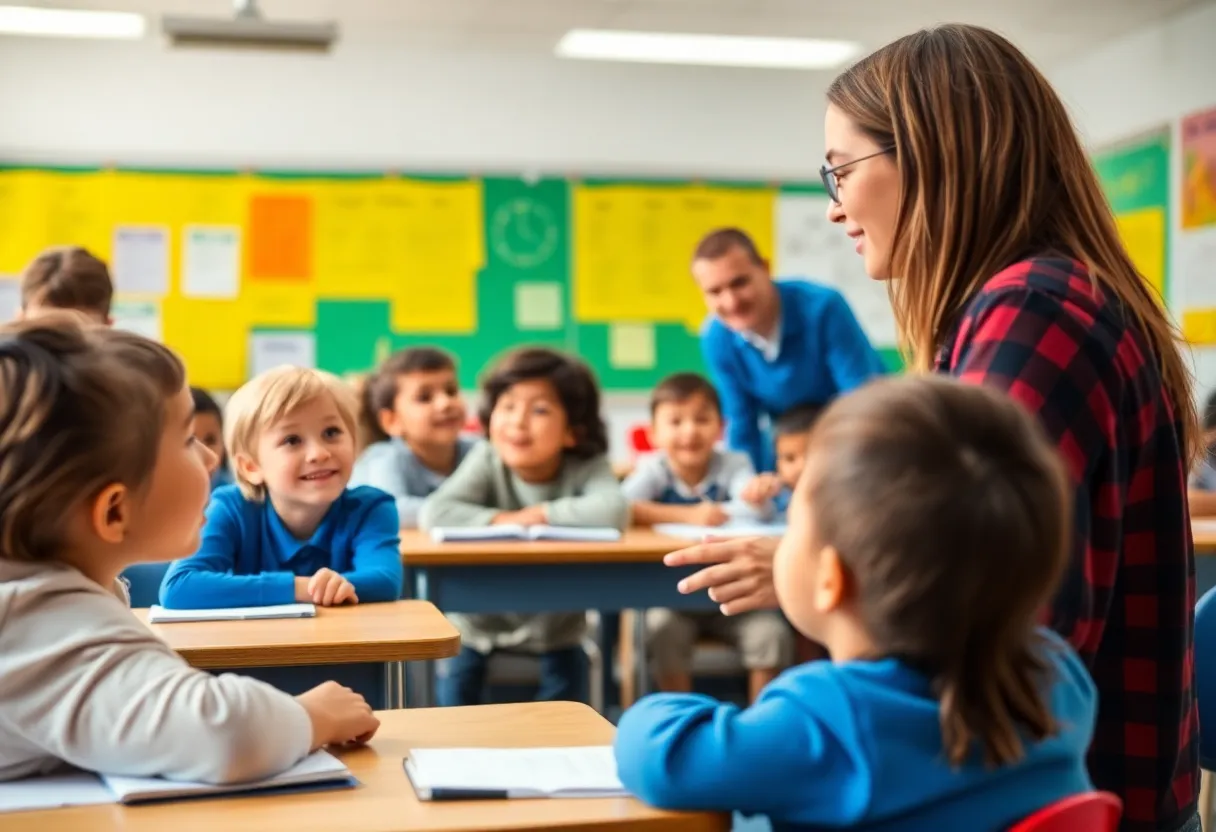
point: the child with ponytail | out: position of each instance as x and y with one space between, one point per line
928 529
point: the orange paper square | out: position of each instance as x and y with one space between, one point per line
280 238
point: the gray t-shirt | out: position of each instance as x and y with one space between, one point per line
393 467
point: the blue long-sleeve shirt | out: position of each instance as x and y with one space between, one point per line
822 353
855 744
248 558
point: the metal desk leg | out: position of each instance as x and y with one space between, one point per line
639 651
394 685
425 694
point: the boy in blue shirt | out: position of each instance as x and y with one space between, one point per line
290 530
689 480
920 550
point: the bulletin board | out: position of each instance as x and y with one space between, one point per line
238 271
1195 248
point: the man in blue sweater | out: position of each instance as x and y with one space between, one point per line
772 346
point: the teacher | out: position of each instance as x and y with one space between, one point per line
954 166
772 346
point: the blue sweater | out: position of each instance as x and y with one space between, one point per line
853 744
249 559
823 353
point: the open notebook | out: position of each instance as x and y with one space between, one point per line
500 773
160 615
688 531
317 771
449 534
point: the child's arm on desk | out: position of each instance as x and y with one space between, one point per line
376 571
691 752
643 487
205 580
465 498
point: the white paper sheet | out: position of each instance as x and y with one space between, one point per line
689 531
268 350
141 318
586 771
318 767
211 261
141 259
52 792
160 615
1195 268
810 247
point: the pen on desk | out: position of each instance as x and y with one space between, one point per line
469 794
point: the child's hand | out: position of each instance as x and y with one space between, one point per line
707 513
763 487
530 516
327 588
339 716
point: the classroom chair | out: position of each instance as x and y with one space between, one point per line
143 582
1205 690
1088 812
639 440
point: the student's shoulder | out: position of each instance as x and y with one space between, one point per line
807 298
1073 694
383 451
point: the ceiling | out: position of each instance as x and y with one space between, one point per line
1050 30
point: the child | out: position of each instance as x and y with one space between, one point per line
209 429
545 463
290 530
81 499
68 277
930 526
689 481
791 430
414 413
1202 491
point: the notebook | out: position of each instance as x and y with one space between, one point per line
732 529
160 615
316 771
500 773
508 531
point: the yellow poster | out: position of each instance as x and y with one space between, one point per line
633 245
1143 234
1199 169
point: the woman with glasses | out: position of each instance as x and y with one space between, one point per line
955 168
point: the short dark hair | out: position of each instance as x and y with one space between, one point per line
1209 413
380 388
721 241
574 383
976 509
68 277
798 419
680 387
203 403
81 407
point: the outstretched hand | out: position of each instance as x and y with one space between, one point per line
738 572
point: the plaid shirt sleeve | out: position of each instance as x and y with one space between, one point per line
1043 333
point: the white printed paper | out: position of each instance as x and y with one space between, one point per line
211 261
10 298
811 247
142 318
1195 268
52 792
268 350
588 771
141 260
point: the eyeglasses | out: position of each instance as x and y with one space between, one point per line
832 185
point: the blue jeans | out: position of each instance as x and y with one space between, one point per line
461 680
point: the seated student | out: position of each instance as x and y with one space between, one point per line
545 463
688 480
209 430
84 682
290 530
68 277
791 430
930 526
414 413
1202 491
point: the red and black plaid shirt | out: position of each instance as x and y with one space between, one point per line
1041 331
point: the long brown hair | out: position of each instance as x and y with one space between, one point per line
975 510
992 171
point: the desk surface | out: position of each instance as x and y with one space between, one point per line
393 632
385 801
637 545
1204 533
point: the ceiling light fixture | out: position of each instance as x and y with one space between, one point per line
70 23
707 50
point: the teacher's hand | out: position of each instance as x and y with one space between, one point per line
738 572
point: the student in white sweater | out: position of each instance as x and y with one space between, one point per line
545 463
99 469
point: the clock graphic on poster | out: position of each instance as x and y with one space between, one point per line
523 233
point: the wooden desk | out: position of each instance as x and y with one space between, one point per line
1204 533
385 801
390 633
639 545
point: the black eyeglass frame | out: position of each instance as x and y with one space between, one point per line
828 174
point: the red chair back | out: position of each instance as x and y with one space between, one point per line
639 440
1088 812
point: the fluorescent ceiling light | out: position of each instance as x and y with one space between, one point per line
710 50
69 23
